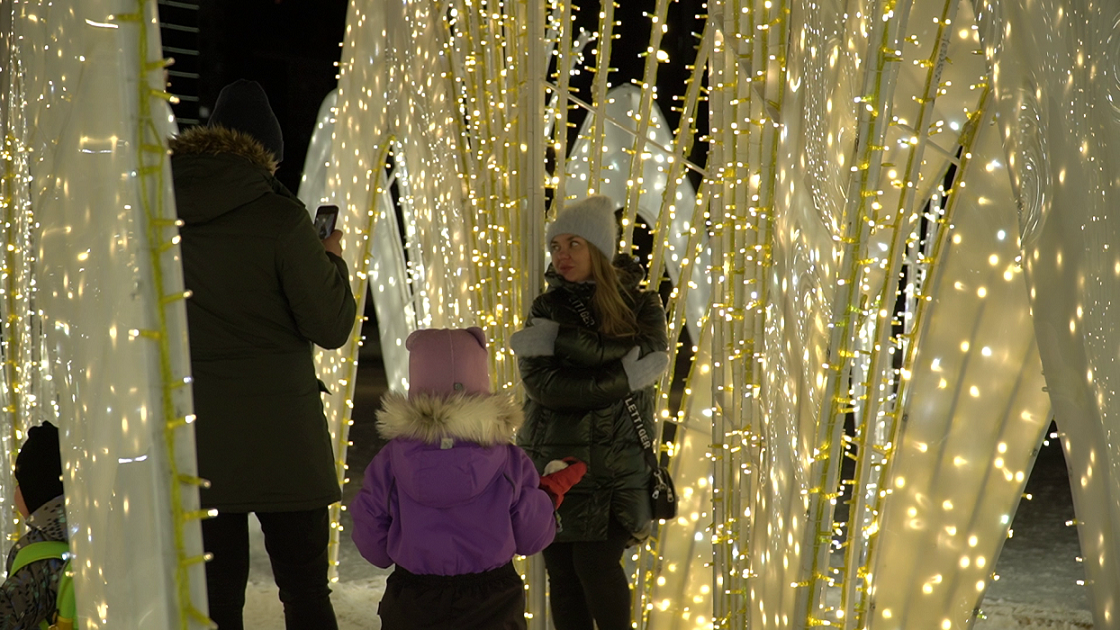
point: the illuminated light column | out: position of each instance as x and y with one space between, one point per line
430 92
109 325
966 447
1056 96
812 232
19 337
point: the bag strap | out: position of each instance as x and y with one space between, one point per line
65 602
584 314
629 402
46 550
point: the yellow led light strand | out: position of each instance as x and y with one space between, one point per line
12 331
884 313
643 115
968 136
682 146
847 304
677 311
651 560
523 203
722 82
630 210
563 92
599 94
152 156
349 356
473 70
754 315
536 174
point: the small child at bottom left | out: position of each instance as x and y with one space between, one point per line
450 500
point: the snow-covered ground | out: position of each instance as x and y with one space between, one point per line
1038 568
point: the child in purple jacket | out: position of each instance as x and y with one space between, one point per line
450 500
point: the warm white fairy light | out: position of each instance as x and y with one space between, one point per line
459 175
95 327
809 234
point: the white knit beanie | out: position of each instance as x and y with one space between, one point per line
592 219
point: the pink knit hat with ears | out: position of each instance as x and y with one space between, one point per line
444 362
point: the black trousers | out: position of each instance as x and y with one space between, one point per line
491 600
587 584
297 548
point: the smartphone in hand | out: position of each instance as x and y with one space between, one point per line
325 219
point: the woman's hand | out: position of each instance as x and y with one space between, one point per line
536 340
645 371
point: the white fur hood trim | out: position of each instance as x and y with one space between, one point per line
486 420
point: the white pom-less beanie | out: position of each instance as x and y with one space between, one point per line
591 219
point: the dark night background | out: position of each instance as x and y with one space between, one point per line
290 47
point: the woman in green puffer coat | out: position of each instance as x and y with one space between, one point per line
593 339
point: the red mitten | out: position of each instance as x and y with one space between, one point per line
559 482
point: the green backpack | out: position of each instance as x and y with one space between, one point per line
64 603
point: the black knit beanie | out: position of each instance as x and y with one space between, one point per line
243 106
39 467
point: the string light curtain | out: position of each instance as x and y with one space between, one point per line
855 417
94 318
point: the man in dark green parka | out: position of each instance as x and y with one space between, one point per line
264 290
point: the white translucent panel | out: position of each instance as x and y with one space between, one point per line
977 414
313 182
1057 94
680 595
107 325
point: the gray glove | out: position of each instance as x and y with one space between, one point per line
538 339
645 371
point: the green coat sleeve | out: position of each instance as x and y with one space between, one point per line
317 287
586 372
557 386
583 346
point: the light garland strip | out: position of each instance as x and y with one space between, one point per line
163 238
753 315
476 140
560 98
16 240
722 81
968 136
884 33
732 104
484 126
634 184
350 354
883 313
682 146
599 91
655 550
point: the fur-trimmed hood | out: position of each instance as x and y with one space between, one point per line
218 170
219 140
484 420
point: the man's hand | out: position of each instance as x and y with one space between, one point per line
333 243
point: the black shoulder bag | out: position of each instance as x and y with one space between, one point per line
662 492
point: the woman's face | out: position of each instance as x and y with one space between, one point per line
571 257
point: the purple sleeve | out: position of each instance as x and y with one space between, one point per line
534 522
370 511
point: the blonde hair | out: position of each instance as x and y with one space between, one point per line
616 318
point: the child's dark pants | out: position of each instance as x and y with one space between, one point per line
491 600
